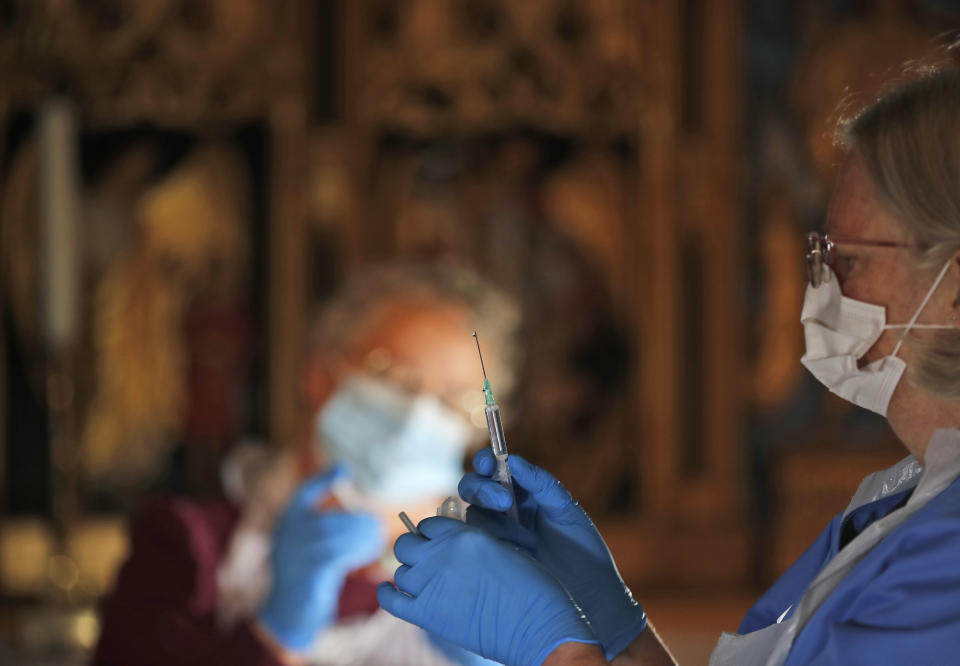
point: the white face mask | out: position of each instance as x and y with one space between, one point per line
839 331
401 448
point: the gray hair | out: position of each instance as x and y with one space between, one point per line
909 140
491 312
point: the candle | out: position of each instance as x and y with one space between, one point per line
60 251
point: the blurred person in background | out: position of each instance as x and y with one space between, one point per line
283 570
881 318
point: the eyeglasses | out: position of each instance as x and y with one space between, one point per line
820 253
380 363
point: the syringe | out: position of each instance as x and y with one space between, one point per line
497 441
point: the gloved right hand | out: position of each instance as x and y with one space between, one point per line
558 534
488 596
313 552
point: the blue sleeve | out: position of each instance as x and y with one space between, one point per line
909 613
791 585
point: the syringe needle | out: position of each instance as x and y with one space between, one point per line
480 354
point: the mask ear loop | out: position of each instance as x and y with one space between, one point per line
923 304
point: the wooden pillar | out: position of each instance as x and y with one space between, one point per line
656 260
356 133
289 155
287 267
723 237
287 258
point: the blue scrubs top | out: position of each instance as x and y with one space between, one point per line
900 605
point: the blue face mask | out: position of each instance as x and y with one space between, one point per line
401 448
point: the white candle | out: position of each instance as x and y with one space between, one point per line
59 201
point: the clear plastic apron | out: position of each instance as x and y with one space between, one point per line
771 645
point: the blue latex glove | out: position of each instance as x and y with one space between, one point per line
486 595
457 654
558 534
313 552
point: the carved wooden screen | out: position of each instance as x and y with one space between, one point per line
187 89
582 154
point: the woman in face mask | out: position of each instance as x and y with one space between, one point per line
881 585
285 571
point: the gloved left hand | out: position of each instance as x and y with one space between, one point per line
313 552
486 595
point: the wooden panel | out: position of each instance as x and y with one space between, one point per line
689 177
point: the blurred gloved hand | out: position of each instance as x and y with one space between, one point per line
313 552
558 534
488 596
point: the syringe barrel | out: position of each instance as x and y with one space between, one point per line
495 427
502 476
